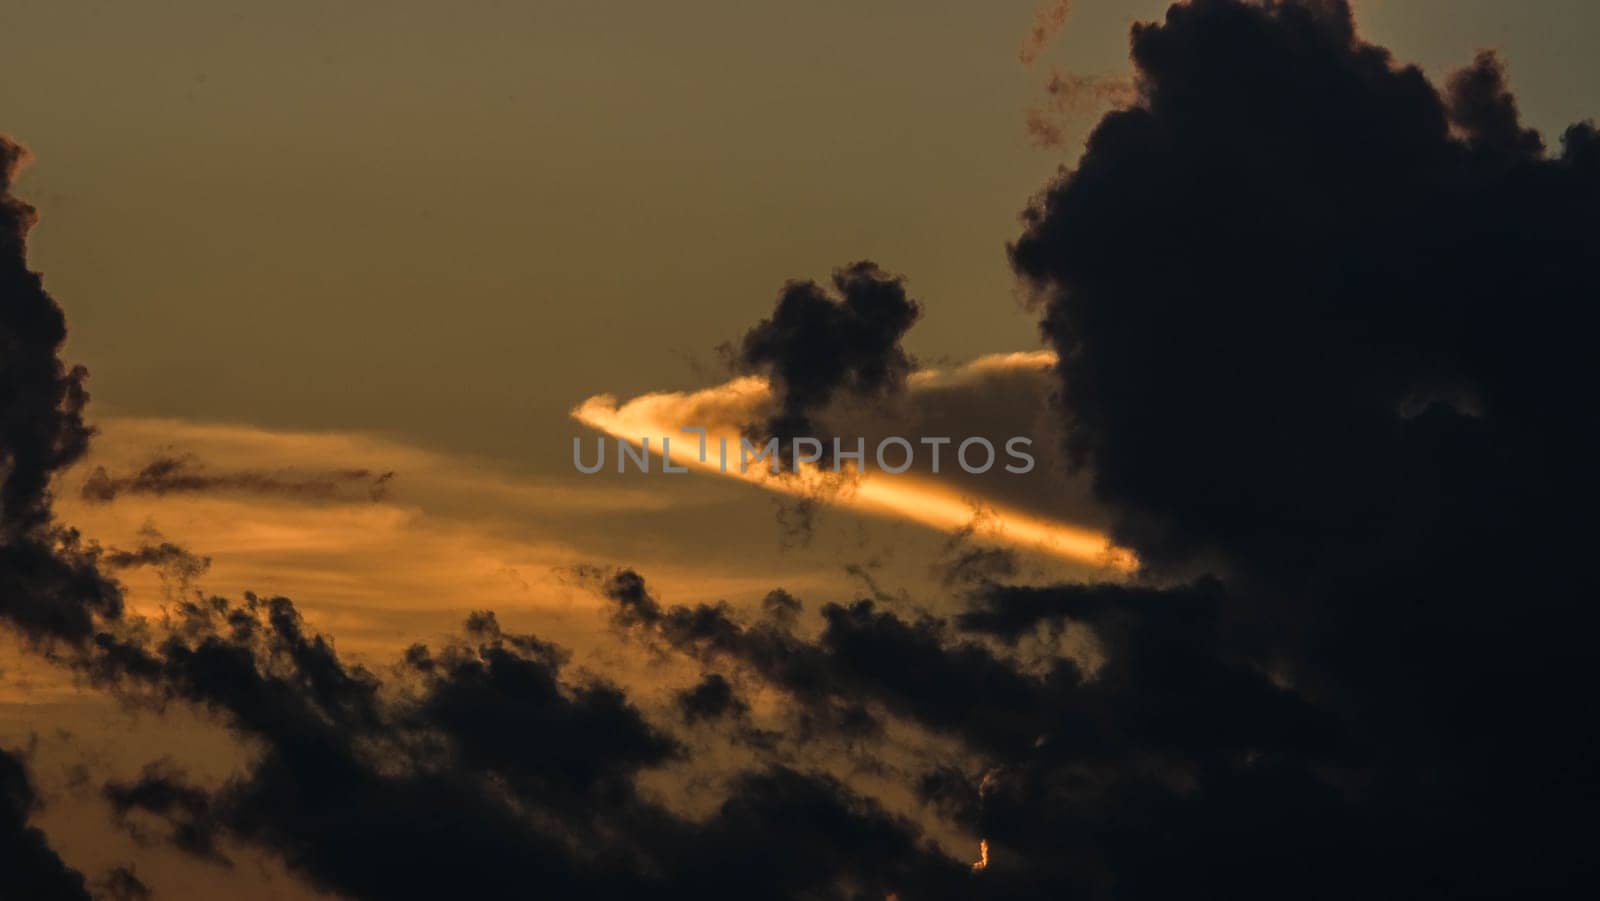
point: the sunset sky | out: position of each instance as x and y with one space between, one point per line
349 279
453 222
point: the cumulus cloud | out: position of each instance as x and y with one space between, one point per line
1330 392
817 345
1320 328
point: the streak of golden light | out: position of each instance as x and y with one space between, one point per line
982 863
915 498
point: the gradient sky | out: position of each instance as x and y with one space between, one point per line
414 236
453 222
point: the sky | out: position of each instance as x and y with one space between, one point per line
351 282
454 222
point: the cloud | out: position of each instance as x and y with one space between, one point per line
1048 20
488 752
712 698
170 475
940 402
817 345
457 533
162 791
42 428
866 659
178 566
1070 94
49 587
965 562
1321 332
32 869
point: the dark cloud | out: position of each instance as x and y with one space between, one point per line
49 585
41 400
178 566
483 766
123 884
1081 765
768 649
1323 332
186 475
50 588
867 662
781 607
29 869
818 345
162 790
712 698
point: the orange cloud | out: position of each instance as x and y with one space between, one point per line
722 409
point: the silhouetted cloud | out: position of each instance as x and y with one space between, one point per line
29 868
185 475
712 698
179 567
49 586
163 790
487 753
41 400
866 662
818 344
1322 330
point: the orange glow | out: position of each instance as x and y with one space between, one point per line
907 497
982 863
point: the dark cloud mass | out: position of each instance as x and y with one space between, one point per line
41 400
817 345
29 869
1323 331
711 698
483 766
49 586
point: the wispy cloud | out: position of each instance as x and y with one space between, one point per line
916 498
